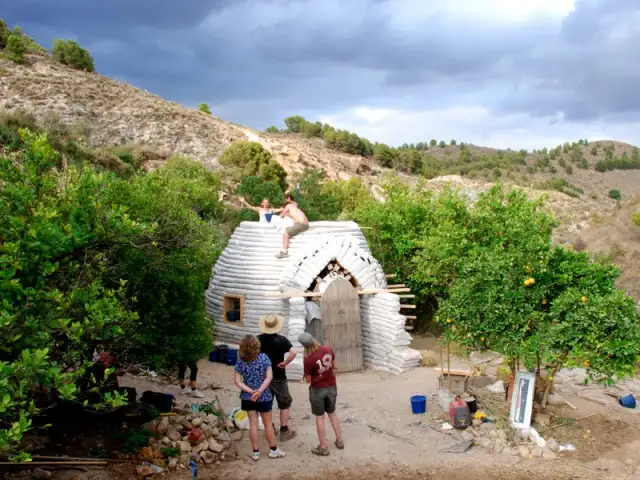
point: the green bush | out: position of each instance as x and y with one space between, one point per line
254 189
452 142
635 219
615 194
442 144
87 259
251 158
70 53
384 155
433 142
15 48
4 34
204 108
272 129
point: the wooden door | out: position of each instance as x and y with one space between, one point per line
340 308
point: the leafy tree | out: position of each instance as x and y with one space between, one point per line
254 189
442 144
384 155
272 129
4 33
15 48
294 124
615 194
204 108
55 304
70 53
315 201
251 158
433 142
452 142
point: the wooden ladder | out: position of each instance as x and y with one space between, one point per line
410 322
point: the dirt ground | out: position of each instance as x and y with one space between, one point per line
385 440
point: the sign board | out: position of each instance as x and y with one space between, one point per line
522 400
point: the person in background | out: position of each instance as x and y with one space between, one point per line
263 210
319 367
275 346
193 375
300 223
252 376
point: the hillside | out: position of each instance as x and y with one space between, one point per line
105 112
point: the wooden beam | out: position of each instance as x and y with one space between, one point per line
372 291
398 285
410 317
407 306
391 275
410 295
464 373
408 328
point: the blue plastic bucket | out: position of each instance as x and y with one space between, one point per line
268 216
232 357
628 401
418 404
223 352
213 355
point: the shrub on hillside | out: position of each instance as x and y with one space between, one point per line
70 53
384 155
442 144
254 190
272 129
615 194
635 219
15 48
452 142
247 158
4 34
204 108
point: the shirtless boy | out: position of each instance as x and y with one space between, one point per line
300 223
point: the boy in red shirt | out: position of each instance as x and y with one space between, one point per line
319 366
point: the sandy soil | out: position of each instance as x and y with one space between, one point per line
384 440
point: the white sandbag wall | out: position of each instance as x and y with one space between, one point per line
385 341
248 267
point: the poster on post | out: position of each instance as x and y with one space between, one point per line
522 400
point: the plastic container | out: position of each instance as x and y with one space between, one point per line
418 404
223 353
628 401
232 357
213 355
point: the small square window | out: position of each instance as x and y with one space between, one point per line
233 309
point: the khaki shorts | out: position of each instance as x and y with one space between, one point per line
280 390
323 400
297 228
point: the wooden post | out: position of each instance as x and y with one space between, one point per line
449 366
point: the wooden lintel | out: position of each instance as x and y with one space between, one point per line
372 291
398 285
391 275
407 306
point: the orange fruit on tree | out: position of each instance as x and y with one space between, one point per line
584 299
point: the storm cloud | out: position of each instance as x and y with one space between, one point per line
521 75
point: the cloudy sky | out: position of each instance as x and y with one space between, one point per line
502 73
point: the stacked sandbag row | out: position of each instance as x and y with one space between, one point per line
296 325
385 341
350 251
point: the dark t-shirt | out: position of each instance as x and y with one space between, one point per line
320 366
275 346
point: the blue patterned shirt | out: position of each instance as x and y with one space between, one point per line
253 374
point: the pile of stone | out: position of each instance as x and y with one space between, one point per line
203 437
500 440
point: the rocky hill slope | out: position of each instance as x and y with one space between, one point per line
110 113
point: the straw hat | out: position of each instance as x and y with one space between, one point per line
270 323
